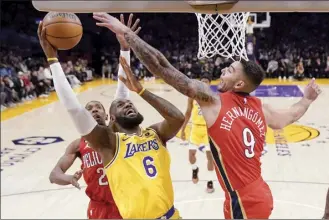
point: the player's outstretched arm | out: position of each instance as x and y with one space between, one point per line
157 64
326 210
278 119
187 117
122 91
174 118
58 175
98 136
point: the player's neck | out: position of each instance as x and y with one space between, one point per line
135 130
243 93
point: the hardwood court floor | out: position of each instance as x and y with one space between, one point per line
35 135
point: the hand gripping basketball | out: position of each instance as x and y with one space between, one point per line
47 48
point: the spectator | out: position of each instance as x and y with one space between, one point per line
29 87
79 73
106 69
327 68
39 85
3 97
272 68
299 71
7 87
318 68
42 77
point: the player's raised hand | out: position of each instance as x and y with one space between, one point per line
312 90
75 178
135 28
131 82
112 23
47 48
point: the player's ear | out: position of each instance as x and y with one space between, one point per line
240 84
112 118
107 117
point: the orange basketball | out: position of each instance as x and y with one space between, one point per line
63 30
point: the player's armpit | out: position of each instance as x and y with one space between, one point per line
101 137
166 130
174 118
58 175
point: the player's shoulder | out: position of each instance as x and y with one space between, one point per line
145 132
257 100
151 133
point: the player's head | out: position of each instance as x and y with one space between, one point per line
241 76
206 78
124 113
98 112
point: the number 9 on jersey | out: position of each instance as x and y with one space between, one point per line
249 142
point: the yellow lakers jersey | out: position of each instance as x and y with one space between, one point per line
139 176
197 117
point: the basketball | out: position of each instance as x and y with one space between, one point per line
63 30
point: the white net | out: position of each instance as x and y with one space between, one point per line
222 34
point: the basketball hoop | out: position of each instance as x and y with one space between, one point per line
223 35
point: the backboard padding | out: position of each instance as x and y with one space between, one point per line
223 7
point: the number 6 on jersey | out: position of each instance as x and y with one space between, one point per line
249 142
149 167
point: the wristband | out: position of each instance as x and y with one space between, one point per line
141 92
52 59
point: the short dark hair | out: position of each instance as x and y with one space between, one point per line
97 102
206 75
253 71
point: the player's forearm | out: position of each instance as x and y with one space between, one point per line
167 110
158 65
82 119
60 178
122 91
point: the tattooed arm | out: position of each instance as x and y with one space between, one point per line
174 118
158 65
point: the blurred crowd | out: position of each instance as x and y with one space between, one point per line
24 79
296 50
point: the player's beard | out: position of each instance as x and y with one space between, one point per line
129 122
